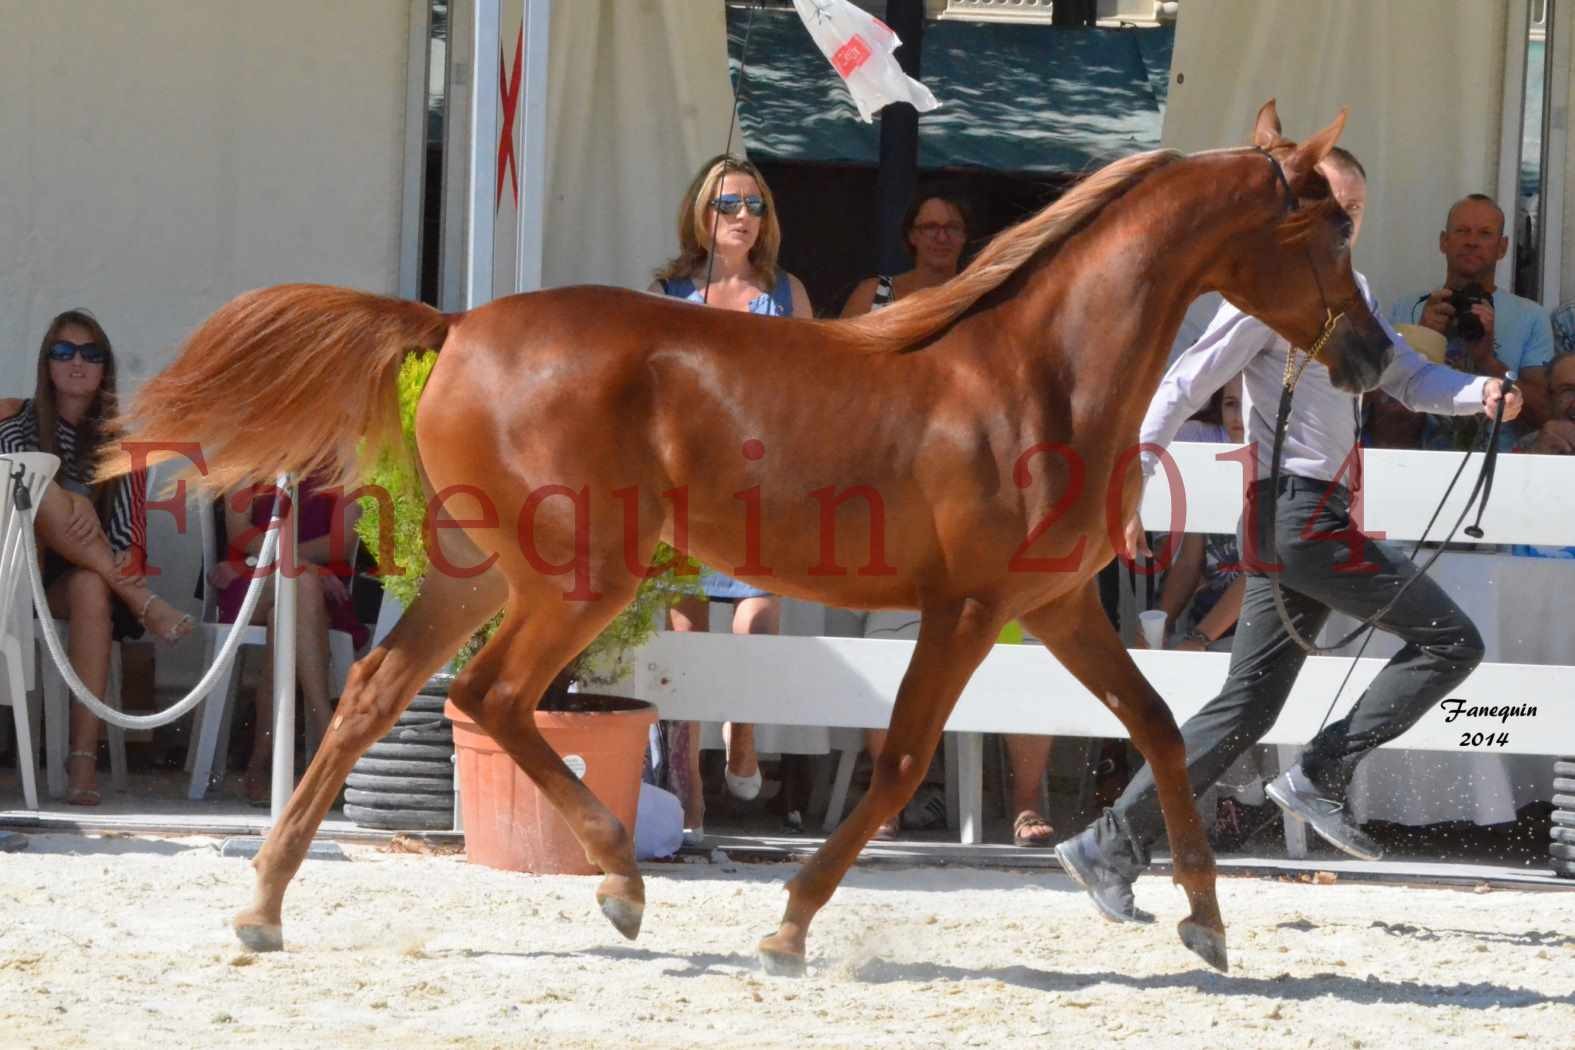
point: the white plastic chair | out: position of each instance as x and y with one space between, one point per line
16 622
205 758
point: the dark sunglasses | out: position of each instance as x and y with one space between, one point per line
92 353
730 203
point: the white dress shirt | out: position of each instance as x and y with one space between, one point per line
1324 421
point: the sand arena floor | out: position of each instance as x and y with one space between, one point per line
123 942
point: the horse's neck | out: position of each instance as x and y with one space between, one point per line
1107 308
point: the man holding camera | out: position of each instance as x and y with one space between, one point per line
1490 331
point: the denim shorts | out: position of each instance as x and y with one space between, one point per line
720 587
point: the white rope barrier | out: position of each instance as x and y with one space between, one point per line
199 691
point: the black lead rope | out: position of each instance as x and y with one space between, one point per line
1484 484
1293 374
1490 458
1483 479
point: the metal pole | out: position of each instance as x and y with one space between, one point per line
284 660
536 17
484 102
898 175
418 49
1517 19
1555 138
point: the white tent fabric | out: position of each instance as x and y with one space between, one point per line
158 158
638 98
1423 80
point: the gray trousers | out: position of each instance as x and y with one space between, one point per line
1317 573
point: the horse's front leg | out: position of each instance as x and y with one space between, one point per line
952 641
1077 631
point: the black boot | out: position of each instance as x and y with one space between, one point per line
1106 881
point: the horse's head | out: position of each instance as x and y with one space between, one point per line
1292 266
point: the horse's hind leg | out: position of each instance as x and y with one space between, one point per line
380 686
500 689
1077 631
952 641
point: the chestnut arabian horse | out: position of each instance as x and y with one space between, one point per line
566 432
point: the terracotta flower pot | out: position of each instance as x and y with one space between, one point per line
509 824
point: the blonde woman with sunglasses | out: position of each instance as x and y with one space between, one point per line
728 237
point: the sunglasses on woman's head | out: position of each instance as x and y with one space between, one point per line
92 353
729 204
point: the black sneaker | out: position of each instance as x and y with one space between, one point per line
1294 793
1109 887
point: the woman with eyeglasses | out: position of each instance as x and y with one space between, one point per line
936 229
93 536
728 238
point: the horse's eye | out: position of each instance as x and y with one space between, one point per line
1342 232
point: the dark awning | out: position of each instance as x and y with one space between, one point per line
1013 97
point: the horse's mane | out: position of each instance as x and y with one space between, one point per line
926 314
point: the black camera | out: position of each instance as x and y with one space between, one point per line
1468 324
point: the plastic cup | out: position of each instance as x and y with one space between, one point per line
1152 622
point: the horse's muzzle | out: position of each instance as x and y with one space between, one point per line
1357 355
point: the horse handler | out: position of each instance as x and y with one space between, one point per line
1323 562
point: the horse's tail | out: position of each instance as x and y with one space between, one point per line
288 379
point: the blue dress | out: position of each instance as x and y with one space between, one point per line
778 302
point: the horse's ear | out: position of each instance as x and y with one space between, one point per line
1266 132
1315 149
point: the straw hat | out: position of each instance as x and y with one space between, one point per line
1424 340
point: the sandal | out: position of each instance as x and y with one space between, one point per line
178 630
83 796
1032 831
258 787
887 832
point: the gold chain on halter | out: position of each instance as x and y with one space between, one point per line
1293 372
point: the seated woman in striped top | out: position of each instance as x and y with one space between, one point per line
93 537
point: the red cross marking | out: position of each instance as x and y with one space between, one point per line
509 89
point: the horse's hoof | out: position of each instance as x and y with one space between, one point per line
1209 945
781 964
261 937
625 915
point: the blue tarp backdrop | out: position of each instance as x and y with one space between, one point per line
1014 98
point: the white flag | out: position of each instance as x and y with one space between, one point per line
860 46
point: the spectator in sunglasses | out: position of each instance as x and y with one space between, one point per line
936 229
728 238
93 535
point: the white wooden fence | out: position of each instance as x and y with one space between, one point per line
1022 689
